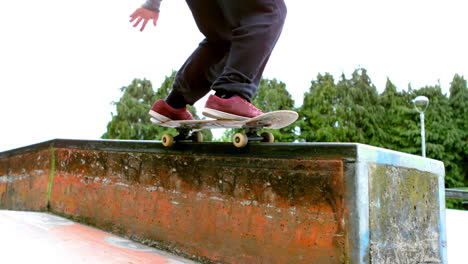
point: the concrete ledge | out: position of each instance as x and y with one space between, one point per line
275 150
267 203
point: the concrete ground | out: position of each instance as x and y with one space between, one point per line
28 237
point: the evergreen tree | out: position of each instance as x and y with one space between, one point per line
442 135
399 121
351 110
459 106
346 111
319 119
272 95
362 111
132 120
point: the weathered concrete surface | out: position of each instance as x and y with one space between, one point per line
267 203
401 201
24 180
271 210
29 237
404 208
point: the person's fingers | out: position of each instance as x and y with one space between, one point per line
143 15
133 16
137 22
144 24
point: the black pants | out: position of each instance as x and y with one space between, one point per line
239 38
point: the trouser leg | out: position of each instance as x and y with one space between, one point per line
195 77
256 27
191 82
240 36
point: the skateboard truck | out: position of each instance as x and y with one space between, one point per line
241 140
168 140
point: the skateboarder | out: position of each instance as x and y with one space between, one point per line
239 38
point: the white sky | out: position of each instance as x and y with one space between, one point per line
63 62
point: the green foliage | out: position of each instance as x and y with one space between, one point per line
362 110
399 121
321 112
443 137
458 102
351 110
272 95
454 204
132 120
347 111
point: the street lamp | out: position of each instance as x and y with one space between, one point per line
421 103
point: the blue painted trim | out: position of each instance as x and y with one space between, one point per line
362 208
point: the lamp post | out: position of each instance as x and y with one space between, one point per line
421 103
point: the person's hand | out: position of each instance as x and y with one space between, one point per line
145 15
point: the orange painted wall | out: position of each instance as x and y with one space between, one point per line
214 208
24 180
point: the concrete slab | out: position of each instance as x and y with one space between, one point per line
30 237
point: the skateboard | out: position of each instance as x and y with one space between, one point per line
189 130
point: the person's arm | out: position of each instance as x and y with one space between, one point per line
149 11
152 5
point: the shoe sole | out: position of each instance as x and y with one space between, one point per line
158 117
208 112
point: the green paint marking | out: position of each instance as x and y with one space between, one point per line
51 177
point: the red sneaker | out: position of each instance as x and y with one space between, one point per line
163 112
234 108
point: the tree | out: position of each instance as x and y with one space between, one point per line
272 95
346 111
319 120
362 110
458 101
132 120
352 111
442 135
399 121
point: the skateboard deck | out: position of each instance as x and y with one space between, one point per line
189 129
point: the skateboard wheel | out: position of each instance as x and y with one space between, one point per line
167 140
268 137
197 136
240 140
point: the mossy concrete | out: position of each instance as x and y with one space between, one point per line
403 200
